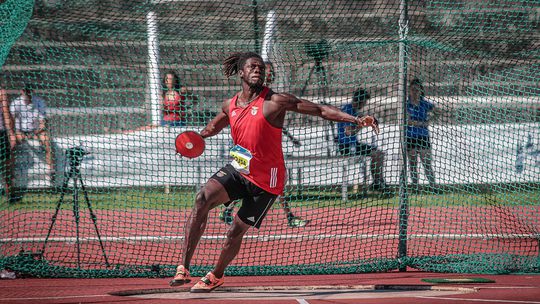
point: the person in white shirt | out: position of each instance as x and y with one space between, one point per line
7 143
29 113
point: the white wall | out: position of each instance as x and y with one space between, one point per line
462 154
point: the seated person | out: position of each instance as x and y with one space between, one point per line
29 114
7 143
348 143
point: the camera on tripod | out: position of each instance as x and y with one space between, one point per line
75 155
318 50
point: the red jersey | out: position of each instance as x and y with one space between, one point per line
173 106
259 143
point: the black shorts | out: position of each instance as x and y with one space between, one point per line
255 201
414 143
359 149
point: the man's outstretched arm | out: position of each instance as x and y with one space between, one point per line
329 112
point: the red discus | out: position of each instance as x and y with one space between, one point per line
189 144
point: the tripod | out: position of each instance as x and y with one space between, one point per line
74 156
319 51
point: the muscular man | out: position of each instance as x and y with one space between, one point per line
257 173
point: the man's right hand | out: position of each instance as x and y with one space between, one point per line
368 121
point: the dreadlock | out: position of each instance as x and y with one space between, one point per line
236 61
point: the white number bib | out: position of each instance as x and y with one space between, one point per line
241 159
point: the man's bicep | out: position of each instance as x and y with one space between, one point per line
222 118
220 121
292 103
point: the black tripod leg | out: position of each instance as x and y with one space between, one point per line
94 219
58 205
77 218
306 83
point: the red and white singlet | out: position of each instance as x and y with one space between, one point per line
257 153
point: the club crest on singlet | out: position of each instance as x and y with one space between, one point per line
241 158
254 110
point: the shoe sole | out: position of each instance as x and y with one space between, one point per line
179 282
204 290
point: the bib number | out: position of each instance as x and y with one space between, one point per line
241 159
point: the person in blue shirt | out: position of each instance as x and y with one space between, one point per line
348 143
417 134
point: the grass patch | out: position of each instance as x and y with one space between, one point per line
183 198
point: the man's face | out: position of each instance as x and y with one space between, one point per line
253 72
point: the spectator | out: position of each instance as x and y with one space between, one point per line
7 144
29 114
417 135
176 101
348 143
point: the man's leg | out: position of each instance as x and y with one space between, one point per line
4 161
214 279
232 245
413 167
45 140
8 177
226 214
377 164
425 157
211 195
255 205
292 221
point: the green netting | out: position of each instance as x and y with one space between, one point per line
121 209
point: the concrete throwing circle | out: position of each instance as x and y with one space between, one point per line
300 292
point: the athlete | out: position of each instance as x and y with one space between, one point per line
226 215
257 172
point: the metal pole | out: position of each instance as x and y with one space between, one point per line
402 113
269 35
256 27
154 85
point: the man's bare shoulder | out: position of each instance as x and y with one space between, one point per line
226 103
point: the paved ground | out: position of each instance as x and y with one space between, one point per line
394 287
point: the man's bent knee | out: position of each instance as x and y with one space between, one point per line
210 196
202 203
238 229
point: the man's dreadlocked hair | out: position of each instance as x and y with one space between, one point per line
236 61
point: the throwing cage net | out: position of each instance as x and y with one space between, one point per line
104 194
